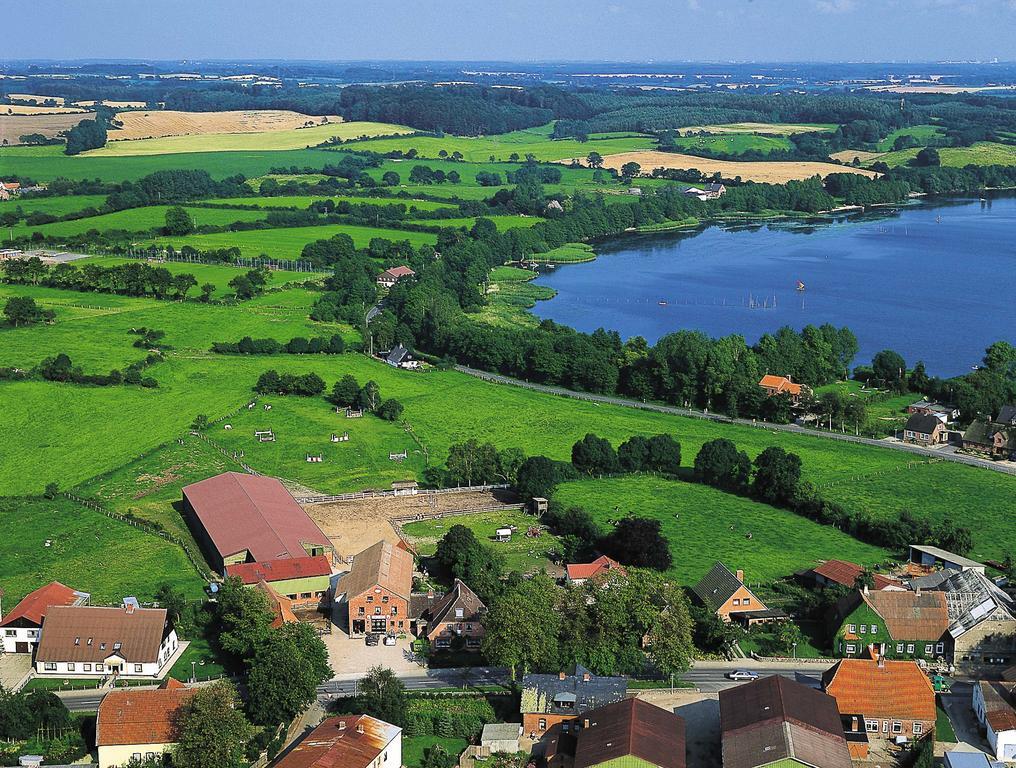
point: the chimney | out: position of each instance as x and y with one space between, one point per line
917 592
864 589
740 575
561 675
342 725
129 608
359 727
585 677
854 725
585 723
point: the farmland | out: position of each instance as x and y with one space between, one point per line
55 206
920 133
501 222
13 127
158 123
734 143
303 201
770 172
137 220
981 153
768 129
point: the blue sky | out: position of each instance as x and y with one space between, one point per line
638 30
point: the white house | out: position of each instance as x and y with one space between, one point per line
995 707
86 641
21 625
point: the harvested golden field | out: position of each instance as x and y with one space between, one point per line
773 129
848 155
159 123
113 104
26 109
12 127
36 99
770 172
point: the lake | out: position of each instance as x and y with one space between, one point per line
934 281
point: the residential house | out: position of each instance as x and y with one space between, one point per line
774 720
995 707
399 357
725 594
136 724
782 385
548 700
982 620
11 254
924 429
23 622
579 573
626 734
377 590
711 191
241 518
458 615
89 641
894 698
9 189
934 557
845 574
347 741
942 411
391 276
898 625
995 437
303 580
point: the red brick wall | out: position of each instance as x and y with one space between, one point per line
372 600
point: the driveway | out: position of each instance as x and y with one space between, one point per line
964 722
351 657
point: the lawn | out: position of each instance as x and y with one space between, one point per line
922 133
304 201
943 727
522 553
413 748
267 141
137 220
981 153
703 525
206 662
44 540
58 205
734 143
886 411
288 242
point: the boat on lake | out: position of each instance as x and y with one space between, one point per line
800 285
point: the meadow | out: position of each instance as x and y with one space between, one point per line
137 220
922 133
734 143
304 201
502 223
703 525
58 205
981 153
568 253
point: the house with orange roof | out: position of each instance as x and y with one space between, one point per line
391 276
782 385
20 627
894 698
347 741
845 574
579 573
139 724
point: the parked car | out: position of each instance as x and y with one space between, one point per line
371 638
742 674
389 639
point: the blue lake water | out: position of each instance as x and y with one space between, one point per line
936 282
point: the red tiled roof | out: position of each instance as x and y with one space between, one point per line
338 743
401 271
631 727
131 716
846 573
999 705
253 513
80 633
890 689
602 564
382 564
780 384
281 606
280 570
33 606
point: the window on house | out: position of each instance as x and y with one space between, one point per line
102 646
871 726
929 649
304 595
395 610
852 629
70 666
86 667
737 601
864 628
899 647
49 666
874 628
33 634
851 649
746 601
136 756
918 729
370 598
897 727
377 611
77 641
359 611
910 647
137 668
98 667
384 599
459 613
940 648
10 633
543 723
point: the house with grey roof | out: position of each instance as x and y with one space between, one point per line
936 557
725 593
982 620
551 699
924 429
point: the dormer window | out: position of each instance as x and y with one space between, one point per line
89 642
77 641
102 646
459 613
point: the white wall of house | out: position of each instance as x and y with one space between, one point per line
15 635
391 755
128 668
1003 743
117 756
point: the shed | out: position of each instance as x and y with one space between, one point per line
501 737
931 556
503 534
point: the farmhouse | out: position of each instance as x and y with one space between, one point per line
725 594
942 411
982 620
894 698
349 741
134 724
548 700
845 574
391 276
924 429
399 357
8 189
711 191
995 707
995 438
10 254
908 625
377 590
456 616
98 642
239 518
627 733
303 580
22 623
579 573
776 719
934 557
782 385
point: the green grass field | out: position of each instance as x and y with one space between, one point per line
501 222
270 141
288 242
413 748
734 143
58 205
138 220
568 253
304 201
523 553
981 153
704 525
920 132
87 550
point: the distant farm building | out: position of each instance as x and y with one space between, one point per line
782 385
303 580
22 623
391 276
238 518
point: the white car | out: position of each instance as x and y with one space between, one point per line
738 675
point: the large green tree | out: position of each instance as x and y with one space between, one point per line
383 695
22 310
522 626
283 676
212 730
178 221
245 618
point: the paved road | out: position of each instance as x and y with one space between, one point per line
711 676
82 701
1008 468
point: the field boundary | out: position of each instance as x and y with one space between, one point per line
322 498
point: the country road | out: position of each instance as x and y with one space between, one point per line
944 453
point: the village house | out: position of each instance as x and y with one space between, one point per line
9 189
548 700
455 618
899 625
626 733
303 580
399 357
377 590
580 573
21 625
88 641
711 191
391 276
982 620
894 698
241 518
726 595
995 437
782 385
135 724
11 254
930 558
347 741
776 721
924 429
995 707
845 574
942 411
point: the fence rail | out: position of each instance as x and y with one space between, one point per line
322 498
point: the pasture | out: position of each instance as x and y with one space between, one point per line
762 171
288 242
981 153
703 525
137 220
58 205
734 143
304 201
266 141
157 123
502 223
922 133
